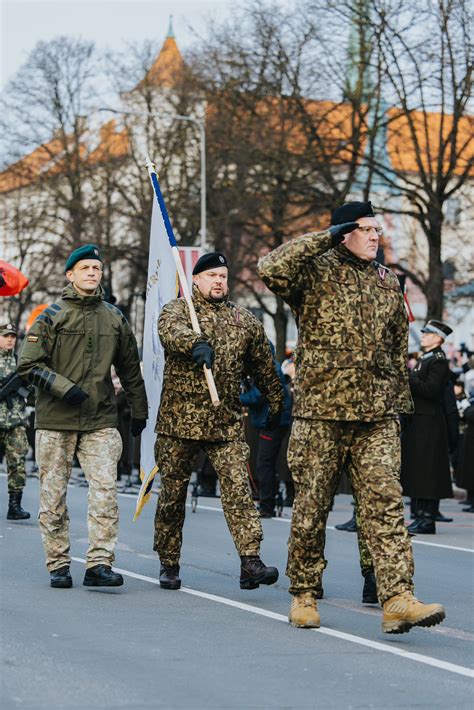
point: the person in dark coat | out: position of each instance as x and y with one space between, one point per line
466 457
271 434
425 469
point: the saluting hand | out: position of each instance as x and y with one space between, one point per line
338 231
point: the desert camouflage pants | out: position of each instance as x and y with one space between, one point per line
16 445
317 450
98 453
175 458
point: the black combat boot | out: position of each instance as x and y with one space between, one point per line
253 572
169 577
102 576
349 526
15 511
369 592
61 578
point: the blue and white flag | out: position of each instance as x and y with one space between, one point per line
162 286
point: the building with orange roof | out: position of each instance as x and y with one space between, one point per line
26 180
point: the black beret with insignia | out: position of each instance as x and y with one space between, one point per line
209 261
351 212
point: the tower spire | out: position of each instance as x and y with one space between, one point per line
170 34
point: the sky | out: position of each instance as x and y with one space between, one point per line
107 22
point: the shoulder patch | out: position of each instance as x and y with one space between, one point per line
32 338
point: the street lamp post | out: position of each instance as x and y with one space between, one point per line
202 141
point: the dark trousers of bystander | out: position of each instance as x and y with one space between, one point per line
269 444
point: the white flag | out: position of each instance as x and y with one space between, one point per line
162 286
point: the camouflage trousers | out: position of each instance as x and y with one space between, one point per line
317 451
16 445
175 458
98 453
365 558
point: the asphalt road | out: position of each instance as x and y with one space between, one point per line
211 645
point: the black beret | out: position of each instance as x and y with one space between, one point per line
351 212
209 261
88 251
437 327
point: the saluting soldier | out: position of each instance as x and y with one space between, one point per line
12 423
234 344
351 385
426 473
67 355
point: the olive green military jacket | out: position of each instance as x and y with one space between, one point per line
75 341
241 347
353 330
16 416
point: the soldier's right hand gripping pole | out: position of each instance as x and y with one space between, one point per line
183 283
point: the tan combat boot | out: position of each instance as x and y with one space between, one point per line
304 611
403 611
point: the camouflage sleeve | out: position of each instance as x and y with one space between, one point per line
127 367
283 270
35 357
259 362
175 330
400 357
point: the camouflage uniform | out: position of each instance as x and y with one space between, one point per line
98 453
188 422
351 384
12 428
76 341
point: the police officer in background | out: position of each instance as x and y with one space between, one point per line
67 355
425 471
351 385
234 344
12 422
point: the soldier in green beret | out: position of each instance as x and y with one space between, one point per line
67 355
351 386
12 422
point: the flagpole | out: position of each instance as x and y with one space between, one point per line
183 282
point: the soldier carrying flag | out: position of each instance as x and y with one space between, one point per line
233 342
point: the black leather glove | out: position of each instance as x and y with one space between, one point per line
75 396
338 231
137 426
272 421
203 354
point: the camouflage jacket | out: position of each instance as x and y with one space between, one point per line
16 416
241 347
76 341
353 330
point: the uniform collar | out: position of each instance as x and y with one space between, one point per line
432 353
70 294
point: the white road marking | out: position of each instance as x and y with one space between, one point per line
374 645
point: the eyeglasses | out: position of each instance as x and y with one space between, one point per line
366 230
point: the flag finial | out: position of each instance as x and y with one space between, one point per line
170 28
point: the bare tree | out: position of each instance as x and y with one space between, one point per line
414 63
44 132
279 159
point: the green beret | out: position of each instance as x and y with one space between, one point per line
88 251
